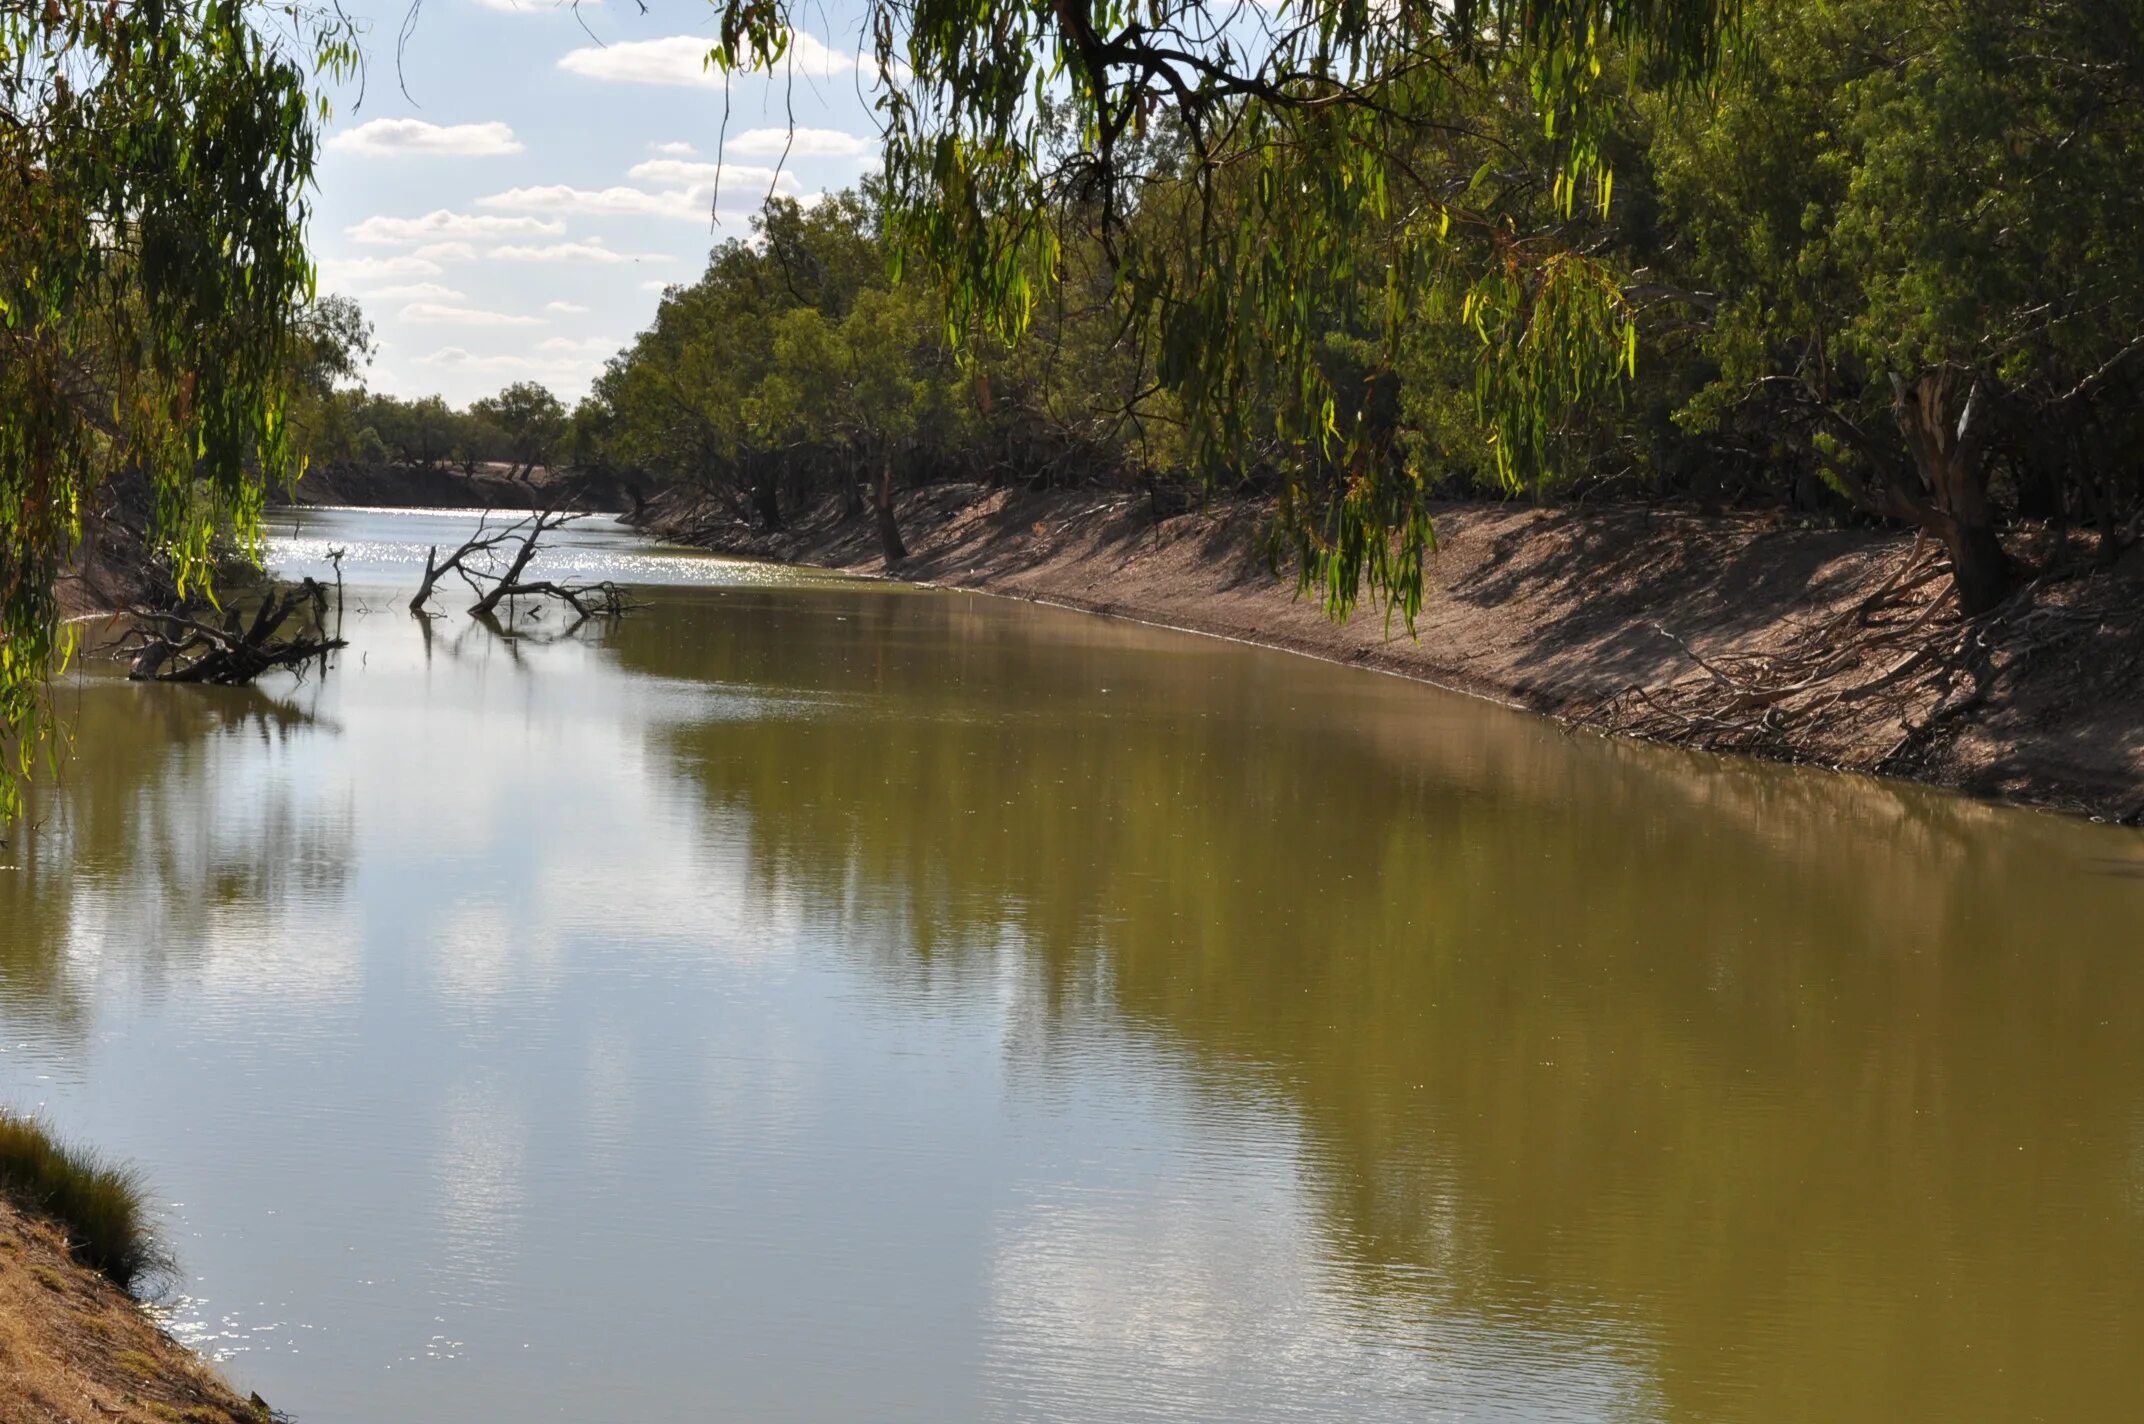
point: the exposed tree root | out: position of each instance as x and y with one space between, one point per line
1904 654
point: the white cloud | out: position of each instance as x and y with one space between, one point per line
633 202
563 369
674 150
590 345
682 60
565 308
416 136
385 231
525 6
592 250
799 143
658 285
413 292
446 252
702 177
434 314
344 271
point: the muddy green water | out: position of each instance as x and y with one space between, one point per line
813 1000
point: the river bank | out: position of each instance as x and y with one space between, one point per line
74 1348
1628 620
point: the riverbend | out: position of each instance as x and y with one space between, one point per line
811 998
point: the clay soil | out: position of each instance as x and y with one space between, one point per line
1629 620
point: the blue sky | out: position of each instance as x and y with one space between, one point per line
515 214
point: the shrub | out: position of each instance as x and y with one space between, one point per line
98 1205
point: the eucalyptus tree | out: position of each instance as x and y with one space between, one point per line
1919 221
1292 187
154 156
532 420
698 396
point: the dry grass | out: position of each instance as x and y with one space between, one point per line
75 1349
74 1346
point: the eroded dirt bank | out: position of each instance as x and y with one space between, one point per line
1833 647
75 1349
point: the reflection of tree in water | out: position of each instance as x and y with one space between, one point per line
1825 1088
169 815
461 637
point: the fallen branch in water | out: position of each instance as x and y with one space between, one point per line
476 564
171 647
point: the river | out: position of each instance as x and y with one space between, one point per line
812 999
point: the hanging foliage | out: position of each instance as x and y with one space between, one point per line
1250 171
153 161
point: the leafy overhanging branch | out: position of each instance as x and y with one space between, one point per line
1287 138
153 163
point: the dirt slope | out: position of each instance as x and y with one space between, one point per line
75 1349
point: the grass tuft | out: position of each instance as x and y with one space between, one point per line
138 1363
100 1207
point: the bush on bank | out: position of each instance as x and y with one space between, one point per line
100 1206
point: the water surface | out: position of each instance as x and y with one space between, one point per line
819 1000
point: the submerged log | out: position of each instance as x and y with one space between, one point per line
171 647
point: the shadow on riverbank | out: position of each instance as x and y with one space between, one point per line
1579 614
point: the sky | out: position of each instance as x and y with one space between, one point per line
507 202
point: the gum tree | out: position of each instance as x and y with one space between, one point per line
153 162
533 420
1920 219
1249 170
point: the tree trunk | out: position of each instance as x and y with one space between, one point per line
889 531
852 495
767 495
1950 460
1983 569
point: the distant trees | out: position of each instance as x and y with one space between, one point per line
530 419
793 360
523 426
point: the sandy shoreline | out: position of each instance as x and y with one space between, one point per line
1563 612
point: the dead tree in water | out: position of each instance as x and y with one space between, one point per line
476 563
170 647
435 569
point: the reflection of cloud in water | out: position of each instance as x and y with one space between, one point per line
482 1154
483 949
1192 1277
286 958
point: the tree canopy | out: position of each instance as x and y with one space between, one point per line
153 164
1251 170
